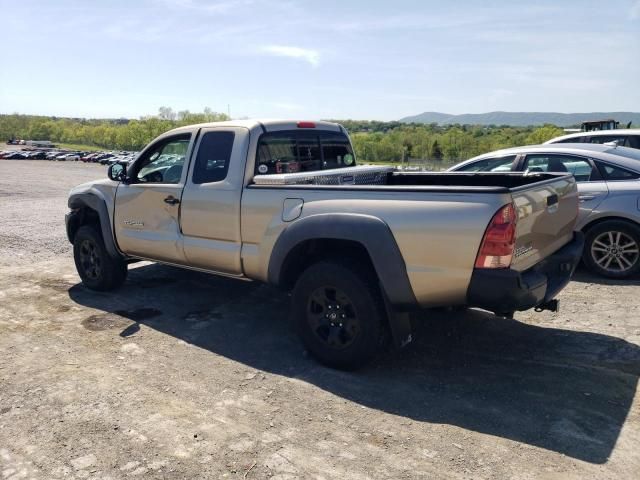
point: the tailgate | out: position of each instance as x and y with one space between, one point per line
547 213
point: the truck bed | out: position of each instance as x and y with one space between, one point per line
546 204
369 176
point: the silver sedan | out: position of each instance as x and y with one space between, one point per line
609 186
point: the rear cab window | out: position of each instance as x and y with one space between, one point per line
293 151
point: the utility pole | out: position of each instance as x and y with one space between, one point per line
229 111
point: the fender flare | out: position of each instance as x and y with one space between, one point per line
369 231
98 204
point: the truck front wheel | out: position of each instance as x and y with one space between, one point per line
97 269
338 313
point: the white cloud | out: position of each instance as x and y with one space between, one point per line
635 10
310 56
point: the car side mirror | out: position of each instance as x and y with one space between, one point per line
117 172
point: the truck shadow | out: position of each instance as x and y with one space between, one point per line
562 390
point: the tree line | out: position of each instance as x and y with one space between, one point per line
447 144
373 141
118 134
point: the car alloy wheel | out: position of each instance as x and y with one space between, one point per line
615 252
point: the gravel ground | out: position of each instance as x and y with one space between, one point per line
184 375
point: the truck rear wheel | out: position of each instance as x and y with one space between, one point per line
97 269
338 313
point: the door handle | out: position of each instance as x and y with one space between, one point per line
584 198
171 200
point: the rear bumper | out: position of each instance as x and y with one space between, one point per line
506 290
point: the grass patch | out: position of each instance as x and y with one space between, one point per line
82 148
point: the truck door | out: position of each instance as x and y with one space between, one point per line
146 217
210 208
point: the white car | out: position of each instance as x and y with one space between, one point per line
629 137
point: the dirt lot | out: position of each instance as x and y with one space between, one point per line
184 375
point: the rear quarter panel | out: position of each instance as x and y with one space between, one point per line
438 234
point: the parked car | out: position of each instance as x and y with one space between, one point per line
37 155
357 246
609 186
16 156
622 137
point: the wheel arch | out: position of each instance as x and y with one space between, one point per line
365 237
597 221
89 208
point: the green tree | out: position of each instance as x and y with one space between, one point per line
436 151
542 134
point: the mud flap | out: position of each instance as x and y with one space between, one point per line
399 324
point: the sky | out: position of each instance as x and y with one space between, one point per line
339 59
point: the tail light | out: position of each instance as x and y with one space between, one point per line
499 241
306 125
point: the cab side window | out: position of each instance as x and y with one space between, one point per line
163 162
214 154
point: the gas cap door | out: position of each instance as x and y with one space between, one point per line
291 209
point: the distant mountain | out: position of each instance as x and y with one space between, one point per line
522 119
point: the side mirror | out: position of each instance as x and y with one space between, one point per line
117 172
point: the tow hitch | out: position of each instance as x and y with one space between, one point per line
551 305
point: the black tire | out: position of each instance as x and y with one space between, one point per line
612 249
349 294
97 269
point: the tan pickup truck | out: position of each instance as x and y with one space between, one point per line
359 246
